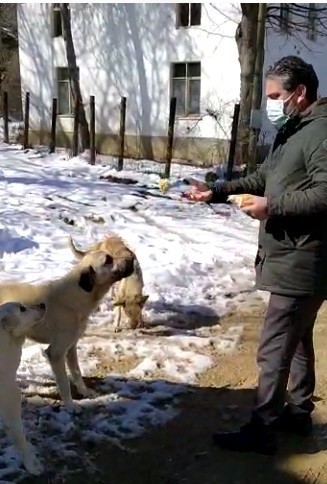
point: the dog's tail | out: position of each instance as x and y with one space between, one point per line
78 253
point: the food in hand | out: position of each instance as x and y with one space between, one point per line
241 200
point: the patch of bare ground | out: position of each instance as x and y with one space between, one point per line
123 364
181 451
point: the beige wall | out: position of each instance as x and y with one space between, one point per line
200 151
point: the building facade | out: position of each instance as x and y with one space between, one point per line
147 52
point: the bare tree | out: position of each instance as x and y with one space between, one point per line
74 74
246 36
9 65
292 19
8 27
257 86
298 18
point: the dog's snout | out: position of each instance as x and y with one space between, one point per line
109 260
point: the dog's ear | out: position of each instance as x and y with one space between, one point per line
141 300
9 323
78 253
119 302
145 298
87 279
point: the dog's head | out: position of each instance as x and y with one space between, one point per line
95 269
17 318
119 263
132 307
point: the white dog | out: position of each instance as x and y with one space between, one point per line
70 301
16 320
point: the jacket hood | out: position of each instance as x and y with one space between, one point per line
318 109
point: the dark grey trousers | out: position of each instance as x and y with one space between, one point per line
286 355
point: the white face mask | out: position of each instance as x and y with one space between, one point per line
276 111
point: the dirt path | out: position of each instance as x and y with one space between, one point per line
181 451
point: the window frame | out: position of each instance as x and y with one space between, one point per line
312 22
187 80
68 81
284 17
189 25
55 13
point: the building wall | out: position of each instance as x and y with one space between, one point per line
36 60
127 50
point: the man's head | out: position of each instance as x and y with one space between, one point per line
291 86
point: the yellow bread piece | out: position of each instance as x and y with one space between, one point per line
241 200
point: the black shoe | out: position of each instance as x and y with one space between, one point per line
294 423
250 438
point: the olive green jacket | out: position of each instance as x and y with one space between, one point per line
292 252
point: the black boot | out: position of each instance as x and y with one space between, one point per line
295 422
252 437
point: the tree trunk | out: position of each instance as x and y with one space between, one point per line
246 36
257 84
72 65
2 57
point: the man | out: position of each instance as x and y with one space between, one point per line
290 189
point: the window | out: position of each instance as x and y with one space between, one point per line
186 87
56 20
312 21
65 97
188 14
284 17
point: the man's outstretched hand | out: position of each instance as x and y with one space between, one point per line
199 192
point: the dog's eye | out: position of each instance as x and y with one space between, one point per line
22 308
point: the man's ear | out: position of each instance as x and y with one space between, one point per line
87 279
119 302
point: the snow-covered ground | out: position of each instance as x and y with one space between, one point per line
196 261
15 130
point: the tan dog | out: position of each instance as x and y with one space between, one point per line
70 301
16 320
128 293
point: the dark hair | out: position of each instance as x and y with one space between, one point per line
294 71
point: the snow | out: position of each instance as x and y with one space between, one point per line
197 260
15 129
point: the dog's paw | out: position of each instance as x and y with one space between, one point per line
73 407
32 463
88 392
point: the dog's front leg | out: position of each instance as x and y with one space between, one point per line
117 321
141 323
11 413
56 357
72 362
